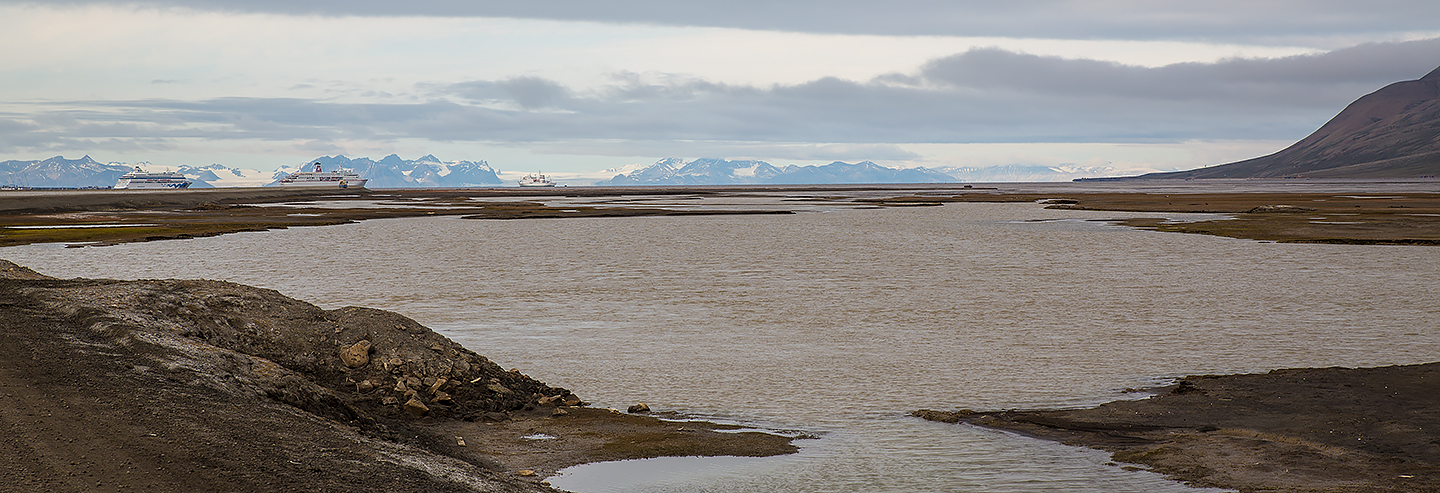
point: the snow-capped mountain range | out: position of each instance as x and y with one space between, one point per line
389 172
428 171
1028 173
394 172
60 172
710 171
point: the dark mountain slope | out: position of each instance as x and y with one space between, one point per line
1390 133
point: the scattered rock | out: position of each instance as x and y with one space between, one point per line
1186 387
560 412
640 408
415 407
357 355
525 472
364 386
499 389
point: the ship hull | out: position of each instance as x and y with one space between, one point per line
170 184
324 183
141 180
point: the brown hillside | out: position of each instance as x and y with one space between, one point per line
1390 133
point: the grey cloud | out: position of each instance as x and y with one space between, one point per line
1303 80
1065 19
534 92
979 96
528 92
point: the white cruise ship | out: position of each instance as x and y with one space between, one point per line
342 178
139 179
536 180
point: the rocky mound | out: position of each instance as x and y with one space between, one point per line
180 386
350 364
214 386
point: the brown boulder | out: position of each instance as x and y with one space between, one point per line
415 407
357 355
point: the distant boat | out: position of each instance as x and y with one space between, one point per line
139 179
343 178
536 180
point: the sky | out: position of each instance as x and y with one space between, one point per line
572 87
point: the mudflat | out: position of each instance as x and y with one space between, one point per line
181 386
1293 430
103 217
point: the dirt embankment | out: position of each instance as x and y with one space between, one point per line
1299 430
212 386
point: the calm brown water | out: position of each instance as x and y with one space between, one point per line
838 322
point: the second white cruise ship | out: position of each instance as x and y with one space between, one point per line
342 178
140 179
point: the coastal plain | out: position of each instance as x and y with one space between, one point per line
1363 217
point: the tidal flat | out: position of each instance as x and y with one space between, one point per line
96 218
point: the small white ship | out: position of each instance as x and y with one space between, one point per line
536 180
342 178
140 179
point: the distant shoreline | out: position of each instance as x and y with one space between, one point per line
1304 216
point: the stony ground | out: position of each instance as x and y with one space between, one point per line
212 386
1300 430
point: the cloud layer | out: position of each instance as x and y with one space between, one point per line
1064 19
982 95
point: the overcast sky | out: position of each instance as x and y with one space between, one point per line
576 86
